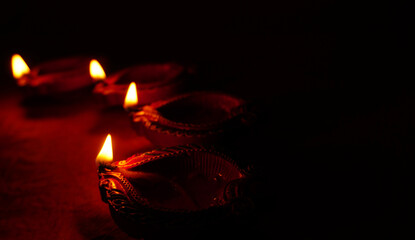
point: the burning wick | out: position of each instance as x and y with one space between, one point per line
105 156
19 68
96 71
131 98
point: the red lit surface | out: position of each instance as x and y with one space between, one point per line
49 185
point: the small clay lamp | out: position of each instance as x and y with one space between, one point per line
173 192
197 117
53 77
154 81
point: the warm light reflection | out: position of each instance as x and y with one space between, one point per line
131 98
96 71
19 66
105 155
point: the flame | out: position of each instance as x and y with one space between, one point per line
105 155
19 66
96 71
131 98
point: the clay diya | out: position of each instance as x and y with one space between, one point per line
173 192
52 77
154 82
197 117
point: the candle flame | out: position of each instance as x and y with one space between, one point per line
105 155
19 66
131 98
96 71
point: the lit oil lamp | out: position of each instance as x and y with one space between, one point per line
197 117
174 191
52 77
154 82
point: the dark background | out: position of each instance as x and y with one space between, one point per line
334 135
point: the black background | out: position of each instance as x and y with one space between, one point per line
331 82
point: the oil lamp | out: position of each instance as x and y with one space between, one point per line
196 117
154 82
173 192
52 77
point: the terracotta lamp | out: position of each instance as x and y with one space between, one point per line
197 117
154 81
174 191
52 77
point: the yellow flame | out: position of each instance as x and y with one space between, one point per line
19 66
105 155
131 98
96 71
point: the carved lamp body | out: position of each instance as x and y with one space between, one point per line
175 191
154 82
198 117
55 77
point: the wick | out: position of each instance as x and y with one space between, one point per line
133 110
